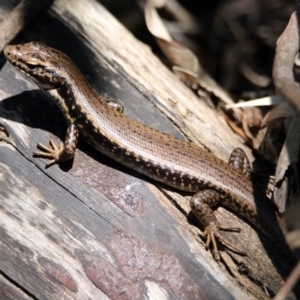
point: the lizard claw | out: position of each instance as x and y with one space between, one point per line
55 152
212 234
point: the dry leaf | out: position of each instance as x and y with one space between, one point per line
289 155
185 63
283 110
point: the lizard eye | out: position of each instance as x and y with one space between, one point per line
31 66
32 60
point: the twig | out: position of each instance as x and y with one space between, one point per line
288 285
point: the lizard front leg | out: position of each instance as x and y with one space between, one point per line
65 151
61 152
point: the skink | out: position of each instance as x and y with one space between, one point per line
164 158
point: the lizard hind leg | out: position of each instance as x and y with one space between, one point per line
201 207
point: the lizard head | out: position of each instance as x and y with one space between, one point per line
40 63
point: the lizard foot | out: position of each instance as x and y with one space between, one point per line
212 234
55 153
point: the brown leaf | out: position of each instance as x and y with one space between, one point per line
185 63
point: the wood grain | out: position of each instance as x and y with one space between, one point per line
18 18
